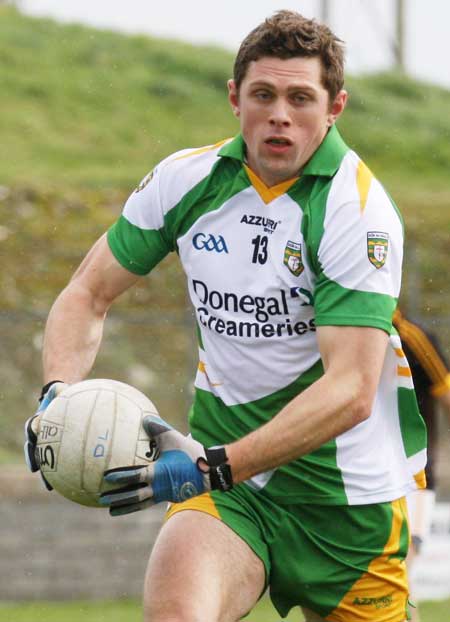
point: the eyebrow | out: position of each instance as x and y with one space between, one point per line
295 87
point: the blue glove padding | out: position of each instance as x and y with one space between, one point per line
174 476
32 429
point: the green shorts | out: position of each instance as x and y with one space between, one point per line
345 563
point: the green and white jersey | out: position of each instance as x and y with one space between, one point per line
265 267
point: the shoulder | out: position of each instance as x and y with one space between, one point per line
355 185
164 187
179 173
357 202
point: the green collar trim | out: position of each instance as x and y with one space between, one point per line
234 149
328 157
325 161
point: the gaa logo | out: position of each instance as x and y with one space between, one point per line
202 241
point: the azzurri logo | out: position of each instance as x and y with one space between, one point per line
209 242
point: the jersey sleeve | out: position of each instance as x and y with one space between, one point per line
359 256
138 239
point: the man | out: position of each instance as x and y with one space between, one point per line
292 252
432 384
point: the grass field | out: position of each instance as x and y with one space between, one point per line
130 611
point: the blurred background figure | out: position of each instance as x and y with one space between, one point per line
431 377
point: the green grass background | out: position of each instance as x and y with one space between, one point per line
130 611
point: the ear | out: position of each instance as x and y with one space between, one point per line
233 97
337 107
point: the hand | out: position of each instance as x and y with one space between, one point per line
183 470
49 392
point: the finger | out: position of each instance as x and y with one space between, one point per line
32 428
128 475
126 496
29 450
128 509
54 391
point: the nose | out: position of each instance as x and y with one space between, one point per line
279 113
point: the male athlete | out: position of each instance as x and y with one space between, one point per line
431 377
305 432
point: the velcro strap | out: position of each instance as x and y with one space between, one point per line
220 475
215 456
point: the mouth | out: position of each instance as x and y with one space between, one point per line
278 144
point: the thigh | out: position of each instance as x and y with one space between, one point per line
200 570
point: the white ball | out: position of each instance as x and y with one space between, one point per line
93 426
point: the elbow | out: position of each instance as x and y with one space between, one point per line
361 411
79 296
362 404
359 400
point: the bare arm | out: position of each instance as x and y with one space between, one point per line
353 358
75 324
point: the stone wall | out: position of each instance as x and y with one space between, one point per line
51 548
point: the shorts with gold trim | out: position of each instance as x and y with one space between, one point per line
345 563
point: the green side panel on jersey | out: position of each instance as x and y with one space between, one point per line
338 306
208 195
147 247
315 478
412 426
212 422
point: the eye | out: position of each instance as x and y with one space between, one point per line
263 95
300 98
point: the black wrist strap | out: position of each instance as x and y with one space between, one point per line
45 388
219 471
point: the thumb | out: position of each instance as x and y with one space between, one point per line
163 434
155 426
56 389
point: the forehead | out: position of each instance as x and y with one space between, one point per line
290 72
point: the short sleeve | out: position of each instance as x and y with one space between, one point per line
360 258
138 239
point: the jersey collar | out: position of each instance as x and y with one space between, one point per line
328 157
234 149
325 161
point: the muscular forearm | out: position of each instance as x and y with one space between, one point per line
326 409
72 336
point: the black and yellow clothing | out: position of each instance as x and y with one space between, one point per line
431 377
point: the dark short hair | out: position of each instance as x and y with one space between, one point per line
288 34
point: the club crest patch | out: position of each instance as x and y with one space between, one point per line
147 179
377 248
293 258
